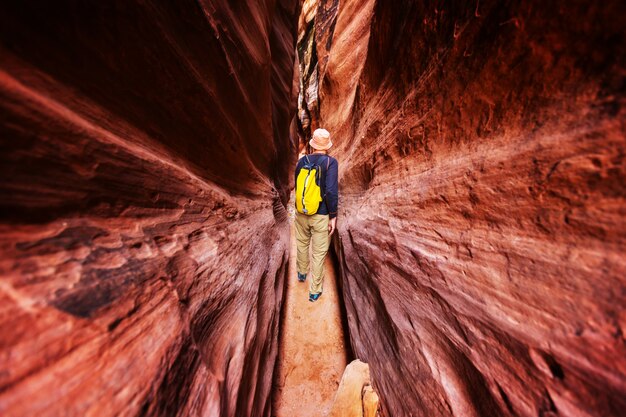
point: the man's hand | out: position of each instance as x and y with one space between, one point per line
331 226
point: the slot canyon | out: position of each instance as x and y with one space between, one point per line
147 159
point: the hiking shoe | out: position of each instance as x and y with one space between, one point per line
301 277
314 297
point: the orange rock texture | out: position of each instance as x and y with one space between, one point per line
145 165
482 226
147 158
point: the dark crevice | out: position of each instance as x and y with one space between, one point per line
334 258
506 399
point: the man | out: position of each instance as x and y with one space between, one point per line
317 229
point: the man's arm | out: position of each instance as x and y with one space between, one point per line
332 193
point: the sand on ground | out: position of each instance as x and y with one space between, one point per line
312 355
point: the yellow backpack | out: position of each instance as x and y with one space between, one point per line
308 191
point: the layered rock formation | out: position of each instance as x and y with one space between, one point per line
482 224
143 241
315 34
308 101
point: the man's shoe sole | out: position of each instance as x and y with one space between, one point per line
313 298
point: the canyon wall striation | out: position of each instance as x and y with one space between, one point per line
482 216
143 235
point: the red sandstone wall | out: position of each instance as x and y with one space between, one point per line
482 225
145 152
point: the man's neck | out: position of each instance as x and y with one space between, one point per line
319 152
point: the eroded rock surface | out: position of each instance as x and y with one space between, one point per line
143 236
315 34
482 224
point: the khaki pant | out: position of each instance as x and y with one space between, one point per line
314 230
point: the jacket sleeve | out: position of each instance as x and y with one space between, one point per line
332 188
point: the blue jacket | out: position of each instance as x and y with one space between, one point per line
329 185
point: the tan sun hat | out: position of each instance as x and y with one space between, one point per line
321 140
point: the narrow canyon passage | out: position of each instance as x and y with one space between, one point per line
147 151
312 355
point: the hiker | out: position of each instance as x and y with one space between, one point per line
316 209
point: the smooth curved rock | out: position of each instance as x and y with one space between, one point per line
482 231
143 236
355 396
